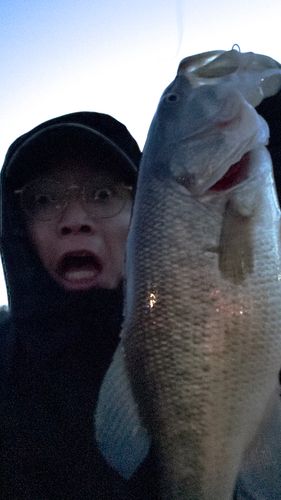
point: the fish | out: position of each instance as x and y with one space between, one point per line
197 366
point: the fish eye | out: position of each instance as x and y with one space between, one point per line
172 97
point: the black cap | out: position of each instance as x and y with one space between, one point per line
81 135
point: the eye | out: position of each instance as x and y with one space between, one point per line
41 200
102 195
43 196
172 97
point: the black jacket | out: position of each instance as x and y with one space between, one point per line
55 349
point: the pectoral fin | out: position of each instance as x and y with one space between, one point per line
236 247
121 437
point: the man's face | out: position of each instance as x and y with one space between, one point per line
78 248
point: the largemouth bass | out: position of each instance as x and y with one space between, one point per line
201 342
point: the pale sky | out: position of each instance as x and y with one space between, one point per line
113 56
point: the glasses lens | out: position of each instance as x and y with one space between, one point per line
105 200
43 199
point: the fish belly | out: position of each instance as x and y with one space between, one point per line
202 348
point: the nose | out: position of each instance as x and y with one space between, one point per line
75 220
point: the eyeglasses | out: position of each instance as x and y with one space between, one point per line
46 199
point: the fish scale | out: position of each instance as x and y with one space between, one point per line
199 358
200 347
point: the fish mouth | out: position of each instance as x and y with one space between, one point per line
237 173
79 268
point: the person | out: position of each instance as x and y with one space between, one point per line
67 195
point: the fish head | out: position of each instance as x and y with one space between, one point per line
206 119
256 76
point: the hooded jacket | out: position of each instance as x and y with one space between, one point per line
55 348
57 345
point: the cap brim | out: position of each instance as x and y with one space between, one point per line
46 148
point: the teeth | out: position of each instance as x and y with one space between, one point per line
77 275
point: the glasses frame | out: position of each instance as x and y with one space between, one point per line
67 199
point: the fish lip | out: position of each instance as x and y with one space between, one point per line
67 259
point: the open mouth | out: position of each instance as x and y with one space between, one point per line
77 267
238 172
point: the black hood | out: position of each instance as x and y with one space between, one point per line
28 284
31 291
